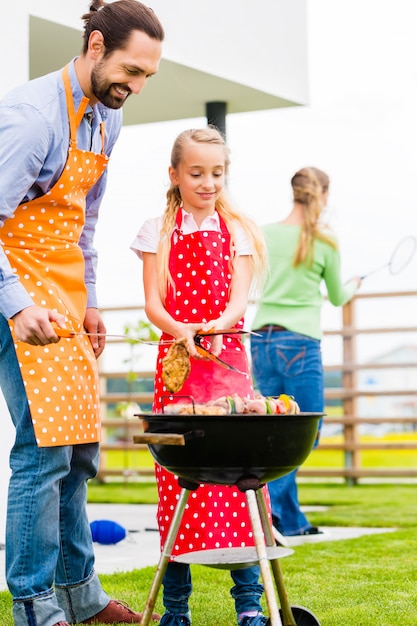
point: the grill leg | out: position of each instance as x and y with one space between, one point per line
287 615
164 558
263 560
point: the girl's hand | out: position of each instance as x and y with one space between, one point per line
216 341
188 332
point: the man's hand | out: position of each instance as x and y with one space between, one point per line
93 324
33 325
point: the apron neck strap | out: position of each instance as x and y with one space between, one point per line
178 217
73 117
103 137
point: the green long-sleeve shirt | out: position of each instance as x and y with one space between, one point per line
291 295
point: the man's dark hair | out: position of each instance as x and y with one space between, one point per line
117 20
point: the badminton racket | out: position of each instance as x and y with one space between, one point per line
400 257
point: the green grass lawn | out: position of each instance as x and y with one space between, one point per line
388 458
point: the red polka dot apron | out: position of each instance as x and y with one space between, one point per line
41 242
215 516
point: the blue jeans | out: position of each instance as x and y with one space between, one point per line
246 591
49 550
290 363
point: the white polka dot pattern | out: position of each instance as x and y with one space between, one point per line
215 516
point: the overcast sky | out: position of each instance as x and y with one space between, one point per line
360 126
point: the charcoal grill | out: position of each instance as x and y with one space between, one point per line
246 450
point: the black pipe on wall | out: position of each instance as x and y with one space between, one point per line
216 115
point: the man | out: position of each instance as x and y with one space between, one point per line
57 133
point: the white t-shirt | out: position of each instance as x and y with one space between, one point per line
147 239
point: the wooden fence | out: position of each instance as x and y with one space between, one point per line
399 364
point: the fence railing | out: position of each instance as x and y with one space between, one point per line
385 397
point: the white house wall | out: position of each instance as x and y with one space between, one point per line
14 45
260 44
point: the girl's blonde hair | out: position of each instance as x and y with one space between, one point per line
231 216
309 186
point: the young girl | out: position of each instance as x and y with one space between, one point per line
199 262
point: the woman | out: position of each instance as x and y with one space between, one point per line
286 356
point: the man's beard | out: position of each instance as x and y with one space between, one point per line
104 92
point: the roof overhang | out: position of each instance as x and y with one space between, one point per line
176 92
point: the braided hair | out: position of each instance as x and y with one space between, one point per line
309 186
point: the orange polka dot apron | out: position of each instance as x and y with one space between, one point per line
41 242
215 516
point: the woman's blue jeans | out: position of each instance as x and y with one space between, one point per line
246 592
49 550
290 363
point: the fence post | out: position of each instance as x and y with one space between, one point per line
349 378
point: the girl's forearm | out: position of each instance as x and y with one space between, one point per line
160 317
233 312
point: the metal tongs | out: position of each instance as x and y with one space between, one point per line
198 338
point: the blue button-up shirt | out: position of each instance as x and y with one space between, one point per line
34 140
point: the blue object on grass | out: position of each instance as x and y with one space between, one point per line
107 532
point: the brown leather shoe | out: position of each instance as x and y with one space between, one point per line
118 613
